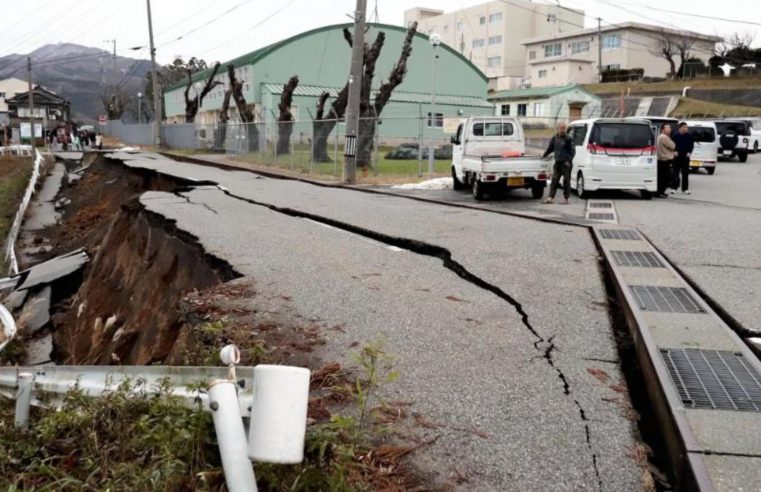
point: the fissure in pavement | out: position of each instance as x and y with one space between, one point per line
432 250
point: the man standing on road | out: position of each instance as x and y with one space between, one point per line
561 145
685 144
665 150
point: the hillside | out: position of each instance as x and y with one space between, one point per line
81 78
673 86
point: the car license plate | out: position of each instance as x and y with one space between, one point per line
695 163
623 161
515 181
727 152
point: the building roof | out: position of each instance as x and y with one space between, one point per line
396 96
41 96
256 55
618 27
536 92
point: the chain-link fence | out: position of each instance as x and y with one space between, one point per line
140 134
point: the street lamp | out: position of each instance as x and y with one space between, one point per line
139 107
435 41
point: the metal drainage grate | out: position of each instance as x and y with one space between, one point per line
714 379
599 216
665 299
622 234
600 205
637 259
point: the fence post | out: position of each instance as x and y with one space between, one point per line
24 398
420 145
377 145
335 149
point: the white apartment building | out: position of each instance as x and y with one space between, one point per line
490 35
572 57
8 89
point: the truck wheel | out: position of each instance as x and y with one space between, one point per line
711 170
537 189
645 195
743 157
580 186
457 183
755 147
478 189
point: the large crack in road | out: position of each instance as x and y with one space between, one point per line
545 346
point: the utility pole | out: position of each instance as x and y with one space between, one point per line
355 86
599 49
113 57
31 101
155 79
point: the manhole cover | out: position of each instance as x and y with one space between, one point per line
714 379
600 205
621 234
665 299
601 216
637 259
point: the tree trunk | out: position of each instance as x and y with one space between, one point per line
321 130
224 117
285 119
193 105
365 140
246 114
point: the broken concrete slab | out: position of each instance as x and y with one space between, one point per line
36 312
39 351
54 269
73 178
42 210
15 299
69 156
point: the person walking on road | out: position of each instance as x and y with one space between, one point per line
684 144
665 151
563 150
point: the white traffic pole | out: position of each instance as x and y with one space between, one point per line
24 398
228 425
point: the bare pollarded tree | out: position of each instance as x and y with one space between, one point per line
245 113
670 45
285 118
192 105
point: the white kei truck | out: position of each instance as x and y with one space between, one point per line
488 155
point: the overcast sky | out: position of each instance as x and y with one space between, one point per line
206 31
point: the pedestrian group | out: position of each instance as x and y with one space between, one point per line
674 159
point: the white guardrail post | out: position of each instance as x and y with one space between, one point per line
275 399
9 326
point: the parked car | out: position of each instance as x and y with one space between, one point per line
488 156
407 151
657 122
706 152
755 134
614 154
734 139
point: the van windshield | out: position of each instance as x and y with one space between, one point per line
703 134
622 135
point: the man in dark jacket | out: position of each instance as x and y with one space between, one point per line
684 144
561 145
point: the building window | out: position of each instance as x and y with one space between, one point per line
477 43
494 61
612 66
505 110
2 95
555 49
522 110
538 109
459 25
611 41
495 40
482 20
579 47
542 74
438 123
445 29
495 17
532 55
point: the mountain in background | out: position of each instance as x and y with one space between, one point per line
79 73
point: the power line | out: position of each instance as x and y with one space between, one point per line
700 16
205 24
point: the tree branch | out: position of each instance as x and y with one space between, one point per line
397 73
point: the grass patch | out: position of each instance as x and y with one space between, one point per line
689 107
634 88
14 177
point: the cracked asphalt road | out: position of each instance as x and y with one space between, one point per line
496 321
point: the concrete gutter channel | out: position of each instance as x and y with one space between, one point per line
709 440
709 449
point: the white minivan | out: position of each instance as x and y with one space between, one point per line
613 154
706 152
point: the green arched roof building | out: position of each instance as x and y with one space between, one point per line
321 59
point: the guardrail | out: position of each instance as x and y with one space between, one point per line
276 395
10 245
